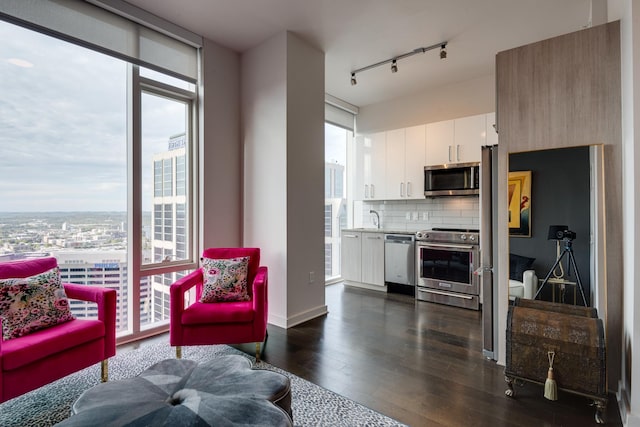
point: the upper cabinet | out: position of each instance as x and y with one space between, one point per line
390 165
456 141
415 160
370 166
470 136
440 142
405 163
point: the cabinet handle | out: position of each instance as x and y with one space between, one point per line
351 236
373 191
449 153
458 152
408 188
402 189
374 237
366 191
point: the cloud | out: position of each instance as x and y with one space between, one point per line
63 125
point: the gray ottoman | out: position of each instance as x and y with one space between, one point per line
225 391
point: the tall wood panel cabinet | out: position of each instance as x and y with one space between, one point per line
560 92
566 92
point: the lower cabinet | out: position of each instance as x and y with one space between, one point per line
351 253
363 257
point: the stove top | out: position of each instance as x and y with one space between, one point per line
459 230
450 235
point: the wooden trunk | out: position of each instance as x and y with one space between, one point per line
574 334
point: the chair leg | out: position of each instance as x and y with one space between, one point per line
104 371
178 352
266 334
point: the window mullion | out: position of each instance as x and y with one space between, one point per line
134 180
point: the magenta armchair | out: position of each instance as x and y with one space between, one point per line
43 356
220 322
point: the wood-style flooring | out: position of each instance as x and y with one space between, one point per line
417 362
420 363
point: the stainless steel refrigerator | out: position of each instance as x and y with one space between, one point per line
488 253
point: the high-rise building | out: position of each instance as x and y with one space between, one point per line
335 216
169 234
106 269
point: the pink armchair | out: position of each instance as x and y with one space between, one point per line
220 322
43 356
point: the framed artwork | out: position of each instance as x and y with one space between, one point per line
520 203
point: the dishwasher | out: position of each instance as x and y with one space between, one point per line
399 263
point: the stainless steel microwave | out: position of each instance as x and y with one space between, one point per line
461 179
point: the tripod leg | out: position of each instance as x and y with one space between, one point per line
546 279
578 281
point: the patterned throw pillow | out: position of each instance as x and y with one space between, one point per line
32 303
225 279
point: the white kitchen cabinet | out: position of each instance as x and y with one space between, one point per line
395 184
372 260
351 264
492 135
370 166
440 141
363 257
469 137
415 161
405 163
456 141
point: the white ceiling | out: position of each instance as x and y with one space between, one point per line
357 33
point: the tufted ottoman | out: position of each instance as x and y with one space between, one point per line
225 391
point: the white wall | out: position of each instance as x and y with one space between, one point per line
305 181
220 154
468 98
629 16
283 143
265 156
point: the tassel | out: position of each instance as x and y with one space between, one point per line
550 387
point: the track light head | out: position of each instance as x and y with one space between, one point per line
443 51
394 66
353 79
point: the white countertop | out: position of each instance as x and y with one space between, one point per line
380 230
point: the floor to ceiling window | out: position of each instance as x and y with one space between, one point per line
335 196
97 156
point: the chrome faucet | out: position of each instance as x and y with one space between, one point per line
376 221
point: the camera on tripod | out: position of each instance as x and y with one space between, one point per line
565 234
557 233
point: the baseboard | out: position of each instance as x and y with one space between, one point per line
622 398
298 318
366 286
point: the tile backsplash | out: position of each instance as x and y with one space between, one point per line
414 215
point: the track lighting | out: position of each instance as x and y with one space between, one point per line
394 60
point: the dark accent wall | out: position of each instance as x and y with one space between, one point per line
559 195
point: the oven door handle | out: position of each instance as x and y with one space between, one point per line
445 246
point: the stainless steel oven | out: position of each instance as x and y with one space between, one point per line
446 260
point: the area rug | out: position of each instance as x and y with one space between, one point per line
312 405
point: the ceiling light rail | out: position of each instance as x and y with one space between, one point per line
394 60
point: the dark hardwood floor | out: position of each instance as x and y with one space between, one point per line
417 362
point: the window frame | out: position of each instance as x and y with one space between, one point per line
138 270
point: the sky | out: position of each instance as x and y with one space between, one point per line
335 148
63 126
